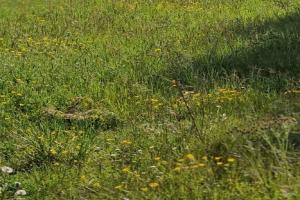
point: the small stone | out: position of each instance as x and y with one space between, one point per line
7 170
20 193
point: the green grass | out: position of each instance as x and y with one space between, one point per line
158 99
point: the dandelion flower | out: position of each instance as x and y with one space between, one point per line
177 169
126 142
126 170
190 157
218 158
201 165
53 152
153 184
230 160
157 50
97 185
65 152
83 178
194 166
205 158
219 163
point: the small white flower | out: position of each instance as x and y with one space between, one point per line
140 151
7 170
97 149
20 193
224 116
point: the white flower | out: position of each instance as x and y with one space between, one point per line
97 149
7 170
140 151
20 193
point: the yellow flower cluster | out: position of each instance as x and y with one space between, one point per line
190 162
155 103
39 45
219 96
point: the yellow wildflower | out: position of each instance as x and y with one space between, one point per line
194 166
158 50
219 163
65 152
126 170
144 189
205 158
153 184
126 142
157 158
97 185
230 160
218 158
201 165
177 169
118 187
53 152
83 178
190 157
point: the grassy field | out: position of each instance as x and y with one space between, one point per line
137 99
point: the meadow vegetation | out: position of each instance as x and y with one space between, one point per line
140 99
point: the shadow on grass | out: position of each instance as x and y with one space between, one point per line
272 51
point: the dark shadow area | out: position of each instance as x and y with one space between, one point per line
272 51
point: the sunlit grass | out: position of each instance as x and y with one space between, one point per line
149 100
